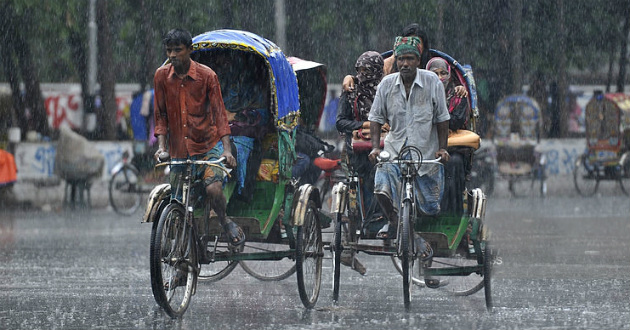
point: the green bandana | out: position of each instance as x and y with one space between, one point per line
404 45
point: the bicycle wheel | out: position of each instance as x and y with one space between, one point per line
488 259
267 270
624 175
308 257
585 177
217 270
173 261
124 193
336 249
406 251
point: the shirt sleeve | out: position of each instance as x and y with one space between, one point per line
159 105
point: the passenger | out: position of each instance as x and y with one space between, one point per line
417 91
389 64
199 131
456 169
352 114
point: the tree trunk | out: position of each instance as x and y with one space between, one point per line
563 86
18 116
516 60
33 98
623 59
106 114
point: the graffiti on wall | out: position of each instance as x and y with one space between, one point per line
561 154
36 161
66 108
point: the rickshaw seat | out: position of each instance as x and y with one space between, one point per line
463 138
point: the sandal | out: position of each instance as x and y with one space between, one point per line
181 278
234 233
386 232
423 248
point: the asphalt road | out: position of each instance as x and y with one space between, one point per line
563 263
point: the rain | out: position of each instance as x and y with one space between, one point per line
548 107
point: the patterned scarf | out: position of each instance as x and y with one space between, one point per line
372 62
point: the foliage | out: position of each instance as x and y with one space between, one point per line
333 32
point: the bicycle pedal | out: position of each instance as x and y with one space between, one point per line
432 283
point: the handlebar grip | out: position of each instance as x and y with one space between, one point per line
164 156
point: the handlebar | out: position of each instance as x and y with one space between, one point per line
412 161
191 162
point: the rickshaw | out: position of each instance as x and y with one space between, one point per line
280 219
607 155
517 126
462 257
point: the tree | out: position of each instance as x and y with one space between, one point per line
106 73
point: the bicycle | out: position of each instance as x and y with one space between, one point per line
178 249
127 189
444 236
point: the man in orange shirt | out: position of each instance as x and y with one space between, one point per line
190 110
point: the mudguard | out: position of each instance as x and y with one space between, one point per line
160 192
305 193
339 195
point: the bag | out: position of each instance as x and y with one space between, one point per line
361 140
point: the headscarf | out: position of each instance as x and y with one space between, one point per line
366 88
440 63
404 45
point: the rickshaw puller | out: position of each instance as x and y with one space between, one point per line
190 110
413 102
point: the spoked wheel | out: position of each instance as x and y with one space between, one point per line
173 261
405 250
124 191
585 177
488 259
265 270
308 257
458 285
624 175
337 249
215 271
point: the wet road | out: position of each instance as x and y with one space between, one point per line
563 263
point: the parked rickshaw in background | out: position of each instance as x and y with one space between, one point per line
607 155
281 220
517 127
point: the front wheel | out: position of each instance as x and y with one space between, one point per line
585 177
173 261
124 191
406 251
308 256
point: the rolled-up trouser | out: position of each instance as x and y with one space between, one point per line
428 188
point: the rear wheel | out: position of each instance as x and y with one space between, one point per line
488 259
266 270
173 261
624 175
308 257
406 252
217 270
124 191
585 177
337 248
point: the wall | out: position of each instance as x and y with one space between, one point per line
36 161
